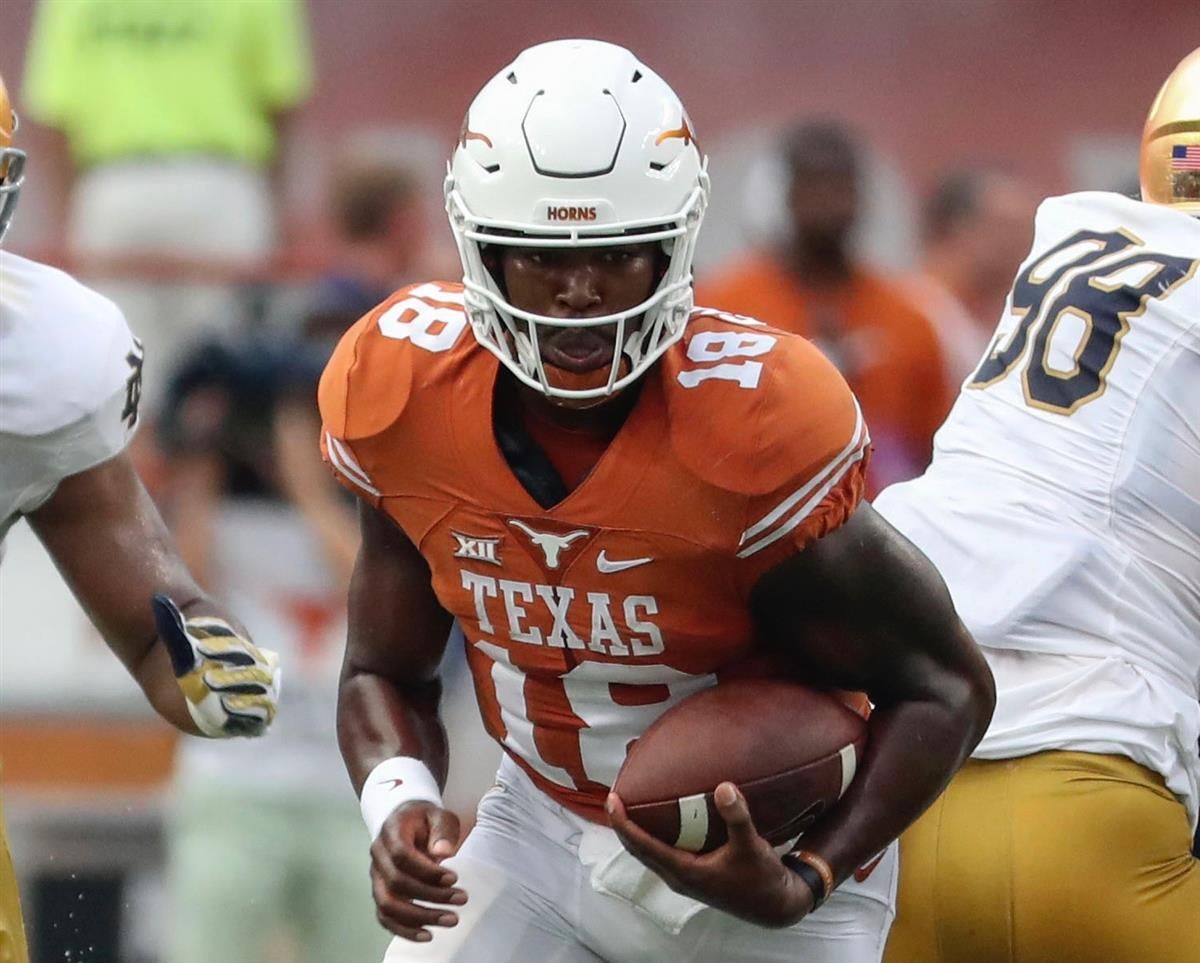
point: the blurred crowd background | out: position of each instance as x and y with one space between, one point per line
247 177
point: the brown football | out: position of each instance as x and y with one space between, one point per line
791 750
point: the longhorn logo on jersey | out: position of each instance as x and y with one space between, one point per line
556 549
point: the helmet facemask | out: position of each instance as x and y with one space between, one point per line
643 331
12 174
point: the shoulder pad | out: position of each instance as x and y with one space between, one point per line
413 339
67 351
751 408
1156 226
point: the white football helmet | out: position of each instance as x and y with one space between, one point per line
576 143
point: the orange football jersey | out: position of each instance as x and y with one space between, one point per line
587 619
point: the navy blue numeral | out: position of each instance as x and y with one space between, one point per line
1104 306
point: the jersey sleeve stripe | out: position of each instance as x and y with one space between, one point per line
343 461
858 441
808 507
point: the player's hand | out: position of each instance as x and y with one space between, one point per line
744 877
231 686
405 866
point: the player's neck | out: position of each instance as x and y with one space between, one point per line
604 419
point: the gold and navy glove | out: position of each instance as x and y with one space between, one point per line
231 685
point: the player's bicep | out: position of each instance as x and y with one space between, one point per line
397 627
863 609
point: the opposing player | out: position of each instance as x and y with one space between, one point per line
70 378
1063 507
620 499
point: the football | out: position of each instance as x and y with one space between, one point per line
792 751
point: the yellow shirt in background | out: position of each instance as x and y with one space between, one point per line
136 78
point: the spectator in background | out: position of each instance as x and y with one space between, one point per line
379 221
172 114
379 218
885 347
255 509
378 214
263 849
976 226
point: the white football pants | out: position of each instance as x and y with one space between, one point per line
531 900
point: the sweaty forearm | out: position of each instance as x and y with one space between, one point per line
379 718
389 692
913 749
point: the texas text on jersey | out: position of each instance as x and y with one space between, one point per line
587 618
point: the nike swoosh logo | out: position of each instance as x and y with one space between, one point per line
608 566
396 783
861 874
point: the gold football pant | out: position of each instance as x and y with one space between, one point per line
1059 857
12 932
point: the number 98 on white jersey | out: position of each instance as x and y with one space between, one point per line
1063 503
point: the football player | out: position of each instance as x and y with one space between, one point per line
1063 507
70 379
620 498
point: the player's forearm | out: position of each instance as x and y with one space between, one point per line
378 718
389 692
872 614
914 747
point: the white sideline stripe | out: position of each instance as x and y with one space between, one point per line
783 507
346 459
849 767
370 489
805 510
693 823
336 455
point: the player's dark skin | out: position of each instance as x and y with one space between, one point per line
860 609
112 548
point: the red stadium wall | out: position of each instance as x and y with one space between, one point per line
933 82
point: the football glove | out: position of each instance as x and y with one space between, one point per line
231 686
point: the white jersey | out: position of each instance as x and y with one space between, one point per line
1063 503
70 379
